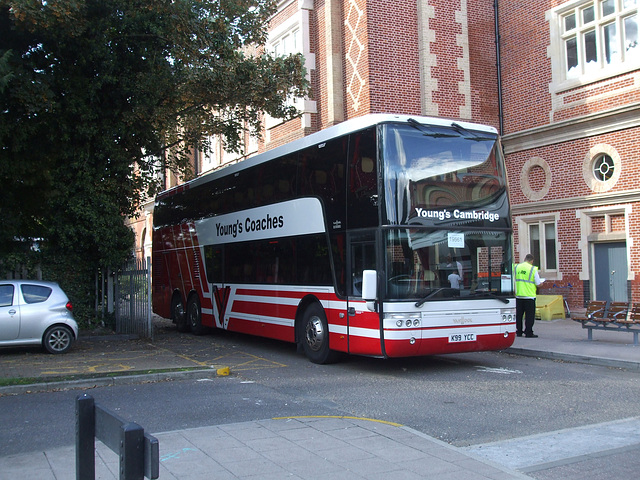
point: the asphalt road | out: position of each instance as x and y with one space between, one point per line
470 401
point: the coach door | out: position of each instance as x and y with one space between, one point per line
362 325
362 256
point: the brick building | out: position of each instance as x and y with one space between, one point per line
558 78
570 73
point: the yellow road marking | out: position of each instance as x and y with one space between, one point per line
184 357
341 417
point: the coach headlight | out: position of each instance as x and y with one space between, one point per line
508 316
400 320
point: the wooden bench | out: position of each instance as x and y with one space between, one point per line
595 309
631 322
617 316
615 312
633 317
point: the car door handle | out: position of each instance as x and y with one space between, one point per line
12 312
351 311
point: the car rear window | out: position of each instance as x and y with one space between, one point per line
6 295
35 293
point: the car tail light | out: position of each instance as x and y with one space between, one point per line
69 306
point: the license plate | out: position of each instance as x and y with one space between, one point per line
462 337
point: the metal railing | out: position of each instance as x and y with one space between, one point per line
133 298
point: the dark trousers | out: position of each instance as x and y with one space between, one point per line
525 307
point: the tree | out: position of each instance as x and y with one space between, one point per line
97 96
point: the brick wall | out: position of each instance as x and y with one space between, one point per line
566 164
526 70
394 75
483 62
597 97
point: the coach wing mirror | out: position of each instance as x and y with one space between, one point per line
370 287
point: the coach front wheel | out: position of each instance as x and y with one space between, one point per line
314 335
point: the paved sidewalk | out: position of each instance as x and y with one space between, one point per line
293 448
317 448
565 339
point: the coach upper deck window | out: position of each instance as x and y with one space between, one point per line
594 39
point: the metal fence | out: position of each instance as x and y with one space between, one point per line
133 298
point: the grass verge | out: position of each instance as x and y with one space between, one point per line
6 382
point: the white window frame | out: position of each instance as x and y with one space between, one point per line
541 258
590 72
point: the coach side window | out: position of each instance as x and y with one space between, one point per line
363 180
213 263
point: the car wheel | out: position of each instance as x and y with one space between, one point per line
57 339
194 314
178 314
314 335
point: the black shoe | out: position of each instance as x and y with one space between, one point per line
531 336
518 334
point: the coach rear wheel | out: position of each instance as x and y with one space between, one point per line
194 314
178 314
314 335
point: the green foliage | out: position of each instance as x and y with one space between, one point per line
76 276
97 97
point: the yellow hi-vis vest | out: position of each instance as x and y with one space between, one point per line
525 280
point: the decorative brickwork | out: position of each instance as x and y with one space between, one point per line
355 41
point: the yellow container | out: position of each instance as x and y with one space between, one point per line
549 307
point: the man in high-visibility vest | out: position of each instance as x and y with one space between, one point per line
527 281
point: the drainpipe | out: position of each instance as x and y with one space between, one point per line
498 68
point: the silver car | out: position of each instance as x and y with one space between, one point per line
36 313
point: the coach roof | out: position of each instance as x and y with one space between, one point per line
344 128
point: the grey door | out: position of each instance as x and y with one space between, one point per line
610 269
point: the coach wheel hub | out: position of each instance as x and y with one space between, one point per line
315 333
178 311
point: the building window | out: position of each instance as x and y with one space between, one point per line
287 41
601 168
543 245
598 34
293 36
595 36
287 44
538 235
210 156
